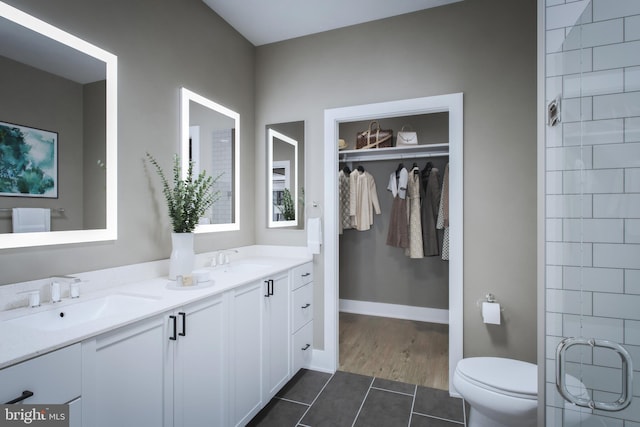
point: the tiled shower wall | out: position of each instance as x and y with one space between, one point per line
592 173
222 162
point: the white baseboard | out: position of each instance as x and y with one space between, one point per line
396 311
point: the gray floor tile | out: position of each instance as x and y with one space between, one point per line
279 413
394 386
385 409
422 421
439 404
339 402
304 386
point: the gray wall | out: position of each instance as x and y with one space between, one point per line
161 45
483 48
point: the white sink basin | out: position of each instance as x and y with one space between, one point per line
243 267
70 315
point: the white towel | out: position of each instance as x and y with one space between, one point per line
314 235
29 220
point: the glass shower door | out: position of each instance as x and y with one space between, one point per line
592 215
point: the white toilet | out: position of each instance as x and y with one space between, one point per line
501 392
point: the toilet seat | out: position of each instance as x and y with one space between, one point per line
504 376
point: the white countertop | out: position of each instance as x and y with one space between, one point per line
19 342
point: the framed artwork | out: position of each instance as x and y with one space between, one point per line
28 161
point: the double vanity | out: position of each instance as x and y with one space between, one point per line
149 353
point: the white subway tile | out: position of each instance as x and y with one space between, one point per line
632 231
607 9
617 105
564 15
593 181
554 182
632 332
606 357
617 256
568 158
553 87
616 55
632 281
553 277
616 205
632 78
553 136
568 302
595 34
601 378
593 327
576 109
616 156
554 40
632 28
554 324
632 129
569 206
593 279
553 228
594 230
569 62
595 83
569 254
620 306
549 3
594 132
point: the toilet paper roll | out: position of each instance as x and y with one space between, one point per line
491 313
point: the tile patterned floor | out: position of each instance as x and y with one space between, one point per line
318 399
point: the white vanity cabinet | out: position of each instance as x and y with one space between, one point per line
277 333
124 375
302 316
53 378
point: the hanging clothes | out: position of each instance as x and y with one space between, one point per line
344 218
398 234
415 249
443 214
430 206
363 200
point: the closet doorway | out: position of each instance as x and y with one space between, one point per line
451 105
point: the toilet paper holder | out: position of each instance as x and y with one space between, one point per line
489 297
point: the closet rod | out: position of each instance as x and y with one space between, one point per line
368 158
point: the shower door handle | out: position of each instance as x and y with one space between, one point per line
627 374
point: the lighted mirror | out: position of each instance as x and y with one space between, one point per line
211 138
285 170
58 135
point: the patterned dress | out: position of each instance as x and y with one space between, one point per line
415 249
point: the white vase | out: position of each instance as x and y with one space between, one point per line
182 257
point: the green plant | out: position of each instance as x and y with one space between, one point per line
287 209
189 198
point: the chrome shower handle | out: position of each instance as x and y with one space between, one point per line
627 374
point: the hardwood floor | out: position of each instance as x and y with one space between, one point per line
394 349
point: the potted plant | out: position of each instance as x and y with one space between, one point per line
188 200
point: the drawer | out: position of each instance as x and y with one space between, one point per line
302 347
53 378
302 275
302 306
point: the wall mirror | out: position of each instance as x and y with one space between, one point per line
58 135
285 170
210 136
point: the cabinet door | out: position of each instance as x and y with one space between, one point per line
246 352
277 334
124 376
198 365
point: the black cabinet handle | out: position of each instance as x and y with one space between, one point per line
305 347
184 324
175 328
307 305
25 395
268 294
306 274
271 292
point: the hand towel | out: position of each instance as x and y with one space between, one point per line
29 220
314 235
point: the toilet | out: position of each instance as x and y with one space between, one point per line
501 392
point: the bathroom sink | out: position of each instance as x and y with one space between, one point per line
70 315
243 267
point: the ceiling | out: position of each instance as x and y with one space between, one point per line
268 21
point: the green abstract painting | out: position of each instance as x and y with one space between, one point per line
28 161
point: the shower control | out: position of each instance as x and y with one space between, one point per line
553 112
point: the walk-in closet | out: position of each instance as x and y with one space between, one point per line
394 270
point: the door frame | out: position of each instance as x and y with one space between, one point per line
328 358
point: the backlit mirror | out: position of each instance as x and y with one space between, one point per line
211 138
285 170
58 135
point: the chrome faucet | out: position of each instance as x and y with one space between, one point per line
74 287
223 256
